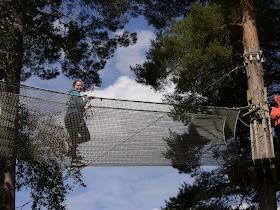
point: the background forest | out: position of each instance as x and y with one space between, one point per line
198 45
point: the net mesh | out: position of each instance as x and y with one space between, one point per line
114 132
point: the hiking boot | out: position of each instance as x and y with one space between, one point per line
77 164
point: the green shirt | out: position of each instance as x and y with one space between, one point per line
75 103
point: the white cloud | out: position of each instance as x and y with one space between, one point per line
125 57
60 28
126 88
122 188
125 188
134 54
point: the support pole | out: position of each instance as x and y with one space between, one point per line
262 144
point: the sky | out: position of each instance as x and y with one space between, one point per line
119 188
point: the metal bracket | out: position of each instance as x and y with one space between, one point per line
253 56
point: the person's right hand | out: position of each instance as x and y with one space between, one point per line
88 106
91 97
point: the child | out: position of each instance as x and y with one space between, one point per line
74 121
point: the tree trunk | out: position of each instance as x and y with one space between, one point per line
262 145
267 193
8 116
261 138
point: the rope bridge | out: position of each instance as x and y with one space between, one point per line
122 132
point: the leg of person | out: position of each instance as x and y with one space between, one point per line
72 127
75 143
277 140
277 130
84 136
69 127
84 132
76 162
73 153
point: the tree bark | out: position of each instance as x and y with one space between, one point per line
262 146
9 101
261 138
267 193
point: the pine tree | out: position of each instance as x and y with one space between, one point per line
196 51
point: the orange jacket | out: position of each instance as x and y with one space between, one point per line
275 112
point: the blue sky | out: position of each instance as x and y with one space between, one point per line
122 188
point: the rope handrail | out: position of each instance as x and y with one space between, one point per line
117 132
120 100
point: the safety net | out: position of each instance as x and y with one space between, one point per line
113 132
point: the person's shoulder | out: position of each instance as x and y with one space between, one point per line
74 91
275 109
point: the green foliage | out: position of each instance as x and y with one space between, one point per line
193 52
200 46
204 42
267 18
159 13
211 190
74 35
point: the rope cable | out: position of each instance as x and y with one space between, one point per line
116 122
124 100
216 81
243 122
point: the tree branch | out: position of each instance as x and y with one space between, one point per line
61 15
234 25
21 207
171 70
242 198
68 16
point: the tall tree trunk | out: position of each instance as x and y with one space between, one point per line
9 100
261 139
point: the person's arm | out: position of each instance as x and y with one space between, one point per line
90 98
88 105
273 116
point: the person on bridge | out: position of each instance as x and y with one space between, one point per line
74 121
275 121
